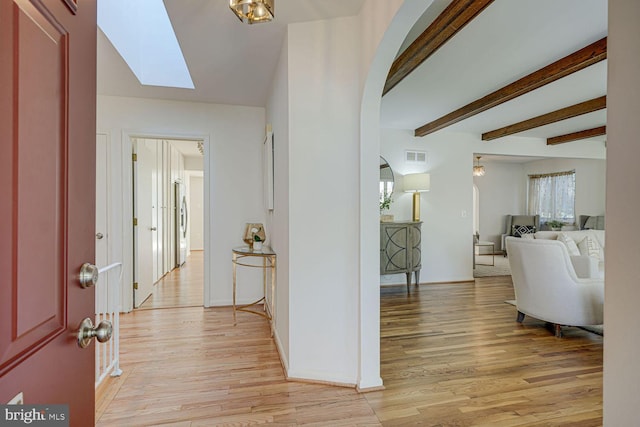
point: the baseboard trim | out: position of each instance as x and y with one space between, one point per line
284 362
370 389
229 303
322 382
453 282
285 368
444 282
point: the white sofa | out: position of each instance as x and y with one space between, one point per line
546 285
585 265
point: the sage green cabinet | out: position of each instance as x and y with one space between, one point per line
400 248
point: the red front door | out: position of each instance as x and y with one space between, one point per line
47 200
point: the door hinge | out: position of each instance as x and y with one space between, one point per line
135 222
135 157
135 285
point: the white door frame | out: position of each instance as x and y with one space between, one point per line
127 204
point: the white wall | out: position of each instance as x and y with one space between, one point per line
233 142
502 191
323 199
193 163
622 293
315 127
196 211
447 209
278 220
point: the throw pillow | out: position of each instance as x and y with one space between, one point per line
589 247
528 236
519 230
572 248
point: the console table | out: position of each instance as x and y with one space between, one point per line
247 257
400 248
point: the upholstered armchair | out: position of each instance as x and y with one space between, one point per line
531 221
588 222
547 288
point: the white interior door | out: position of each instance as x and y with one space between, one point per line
156 184
167 188
145 183
160 211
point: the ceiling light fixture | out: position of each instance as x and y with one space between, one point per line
478 169
252 11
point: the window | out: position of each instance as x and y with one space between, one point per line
552 196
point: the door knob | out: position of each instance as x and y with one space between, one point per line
86 332
88 275
153 228
99 236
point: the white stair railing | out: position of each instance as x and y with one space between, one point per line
108 308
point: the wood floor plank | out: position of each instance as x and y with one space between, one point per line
451 355
182 287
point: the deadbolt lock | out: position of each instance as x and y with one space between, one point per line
88 275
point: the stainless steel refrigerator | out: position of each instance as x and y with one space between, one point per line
181 218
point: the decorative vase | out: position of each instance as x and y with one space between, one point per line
257 246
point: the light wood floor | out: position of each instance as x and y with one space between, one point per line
182 287
451 354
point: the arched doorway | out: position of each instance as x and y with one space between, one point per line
369 296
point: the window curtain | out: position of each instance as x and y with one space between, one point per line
552 196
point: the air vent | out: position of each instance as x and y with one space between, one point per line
416 157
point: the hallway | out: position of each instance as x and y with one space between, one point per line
182 287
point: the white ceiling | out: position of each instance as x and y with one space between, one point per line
234 63
187 148
230 62
508 40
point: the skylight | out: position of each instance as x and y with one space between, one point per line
141 32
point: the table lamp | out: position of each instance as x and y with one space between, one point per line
417 183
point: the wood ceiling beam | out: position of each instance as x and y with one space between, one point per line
458 14
576 136
576 61
545 119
